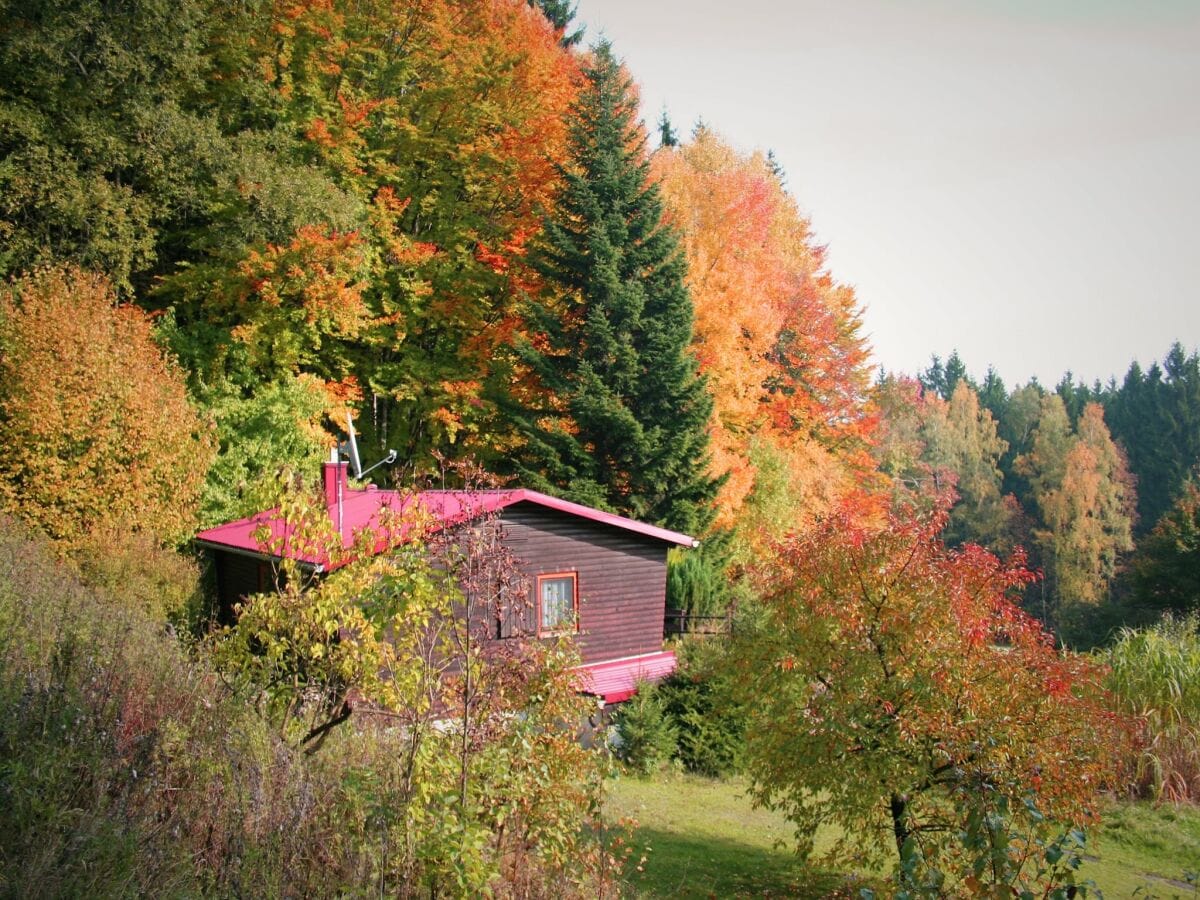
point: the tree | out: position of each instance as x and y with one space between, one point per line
942 378
1156 416
666 133
895 691
394 634
560 13
961 439
1166 569
95 420
1084 500
388 163
776 337
612 412
993 395
102 147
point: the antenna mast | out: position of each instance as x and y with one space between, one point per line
351 450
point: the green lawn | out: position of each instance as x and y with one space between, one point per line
703 838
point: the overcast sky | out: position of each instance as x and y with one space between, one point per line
1017 180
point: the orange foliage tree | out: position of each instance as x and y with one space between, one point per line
441 123
777 338
94 420
896 691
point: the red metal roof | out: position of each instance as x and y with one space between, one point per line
369 509
617 680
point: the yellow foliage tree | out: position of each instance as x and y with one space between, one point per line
97 431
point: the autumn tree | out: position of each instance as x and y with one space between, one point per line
960 438
1084 502
946 452
615 414
895 690
387 169
95 419
777 338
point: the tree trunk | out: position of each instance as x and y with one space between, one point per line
899 827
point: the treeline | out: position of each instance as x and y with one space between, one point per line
446 218
1097 483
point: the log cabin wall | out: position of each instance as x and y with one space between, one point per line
238 576
621 577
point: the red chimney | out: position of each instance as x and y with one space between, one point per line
333 476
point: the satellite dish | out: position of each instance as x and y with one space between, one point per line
352 446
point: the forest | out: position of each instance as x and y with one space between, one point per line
963 616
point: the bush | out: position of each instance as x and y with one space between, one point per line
127 768
696 581
647 735
1155 676
709 723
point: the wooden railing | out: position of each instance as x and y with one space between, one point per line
677 622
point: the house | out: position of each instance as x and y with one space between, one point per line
592 574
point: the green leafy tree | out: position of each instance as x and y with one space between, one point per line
993 395
104 144
942 378
666 132
560 13
1155 414
613 413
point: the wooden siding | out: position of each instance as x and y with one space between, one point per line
237 576
622 577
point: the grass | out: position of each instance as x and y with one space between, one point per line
703 838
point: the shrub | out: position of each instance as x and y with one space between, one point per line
136 571
696 581
708 721
1155 676
647 735
128 768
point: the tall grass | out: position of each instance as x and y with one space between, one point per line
128 768
1155 675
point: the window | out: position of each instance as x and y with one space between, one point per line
556 598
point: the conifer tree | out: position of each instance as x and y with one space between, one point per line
561 14
666 132
616 415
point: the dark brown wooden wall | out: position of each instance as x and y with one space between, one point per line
237 576
622 577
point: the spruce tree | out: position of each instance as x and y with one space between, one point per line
561 14
618 415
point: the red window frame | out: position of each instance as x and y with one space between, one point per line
573 627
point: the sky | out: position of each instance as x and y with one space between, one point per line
1016 180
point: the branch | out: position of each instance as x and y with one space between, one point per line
319 733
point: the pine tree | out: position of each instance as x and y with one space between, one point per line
616 416
666 132
560 13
